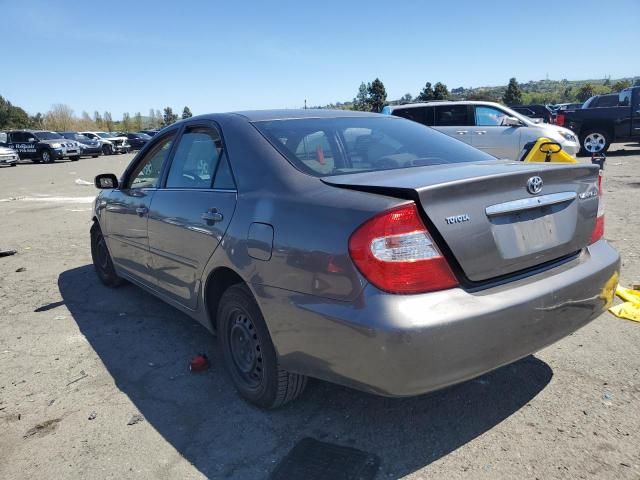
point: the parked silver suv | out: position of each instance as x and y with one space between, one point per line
488 126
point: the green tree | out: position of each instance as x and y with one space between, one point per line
362 101
513 95
186 113
620 85
426 93
637 82
440 91
137 122
169 117
158 119
107 121
126 122
406 98
377 95
37 120
585 92
12 116
97 118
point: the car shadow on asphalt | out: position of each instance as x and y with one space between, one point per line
146 346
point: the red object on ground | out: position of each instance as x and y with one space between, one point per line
199 363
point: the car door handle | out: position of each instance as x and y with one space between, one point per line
212 215
462 132
480 132
142 211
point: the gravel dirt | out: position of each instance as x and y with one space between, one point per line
94 383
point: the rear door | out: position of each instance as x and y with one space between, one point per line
489 135
127 209
454 120
191 212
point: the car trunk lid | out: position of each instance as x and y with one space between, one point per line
485 215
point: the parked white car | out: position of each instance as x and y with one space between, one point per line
8 157
110 143
488 126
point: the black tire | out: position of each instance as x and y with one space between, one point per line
14 164
594 141
107 150
95 156
249 355
74 159
46 156
102 259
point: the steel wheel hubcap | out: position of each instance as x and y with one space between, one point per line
101 254
594 142
245 349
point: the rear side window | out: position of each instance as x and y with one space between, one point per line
335 146
196 159
423 115
624 98
451 116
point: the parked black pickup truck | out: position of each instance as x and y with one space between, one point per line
598 127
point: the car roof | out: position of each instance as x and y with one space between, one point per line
285 114
445 102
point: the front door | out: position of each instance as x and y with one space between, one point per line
635 113
191 212
24 143
489 135
127 209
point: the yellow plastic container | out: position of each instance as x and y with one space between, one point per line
545 150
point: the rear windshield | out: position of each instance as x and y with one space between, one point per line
335 146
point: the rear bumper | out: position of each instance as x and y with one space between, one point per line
401 345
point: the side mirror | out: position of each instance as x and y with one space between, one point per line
511 122
106 180
31 140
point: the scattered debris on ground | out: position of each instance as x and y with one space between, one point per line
135 418
199 363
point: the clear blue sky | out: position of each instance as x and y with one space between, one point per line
219 56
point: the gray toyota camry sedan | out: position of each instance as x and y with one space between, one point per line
357 248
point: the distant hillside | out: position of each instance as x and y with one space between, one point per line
534 91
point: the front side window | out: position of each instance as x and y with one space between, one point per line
147 172
336 146
451 116
489 117
196 158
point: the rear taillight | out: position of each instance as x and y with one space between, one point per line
395 252
560 119
598 228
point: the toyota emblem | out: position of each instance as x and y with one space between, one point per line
534 185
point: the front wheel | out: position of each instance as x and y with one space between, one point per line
75 158
594 141
102 259
249 355
46 156
107 149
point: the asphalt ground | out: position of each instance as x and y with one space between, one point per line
94 383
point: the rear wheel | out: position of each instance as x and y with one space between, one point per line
94 156
75 158
102 259
594 141
249 354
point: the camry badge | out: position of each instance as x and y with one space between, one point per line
534 185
